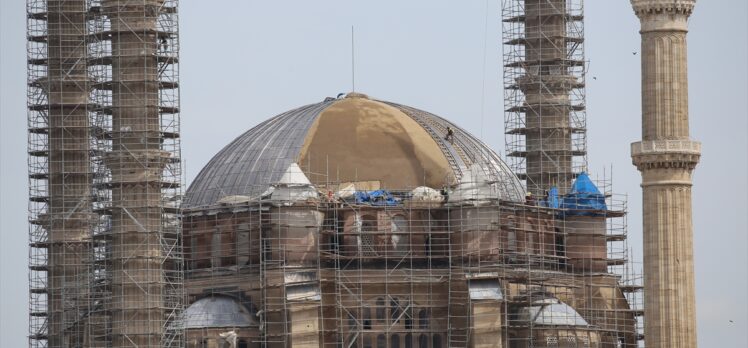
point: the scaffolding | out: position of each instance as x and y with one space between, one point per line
105 262
330 271
544 91
134 47
59 172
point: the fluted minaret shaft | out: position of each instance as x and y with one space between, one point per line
666 157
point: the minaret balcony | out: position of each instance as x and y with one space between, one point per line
665 153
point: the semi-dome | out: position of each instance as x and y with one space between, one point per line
217 311
351 139
551 311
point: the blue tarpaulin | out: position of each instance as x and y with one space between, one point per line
378 198
584 197
551 201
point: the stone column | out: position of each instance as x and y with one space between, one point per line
666 157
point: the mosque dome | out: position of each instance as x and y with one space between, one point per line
351 139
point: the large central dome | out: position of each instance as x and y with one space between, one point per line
345 140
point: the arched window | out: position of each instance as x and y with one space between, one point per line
380 309
423 341
242 344
408 341
215 249
436 341
408 319
399 224
395 341
399 238
367 318
394 309
423 319
367 341
366 238
381 341
368 223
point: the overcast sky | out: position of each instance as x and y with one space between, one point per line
245 61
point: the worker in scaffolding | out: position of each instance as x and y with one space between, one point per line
164 44
450 135
445 193
529 199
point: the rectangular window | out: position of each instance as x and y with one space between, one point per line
512 236
215 250
193 252
242 245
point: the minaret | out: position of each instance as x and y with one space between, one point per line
134 48
59 172
666 157
545 91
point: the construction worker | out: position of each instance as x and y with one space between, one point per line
164 44
450 135
445 193
529 199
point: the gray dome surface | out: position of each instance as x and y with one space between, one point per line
255 159
260 156
217 311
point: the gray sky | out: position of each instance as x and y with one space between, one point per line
245 61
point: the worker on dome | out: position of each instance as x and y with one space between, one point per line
450 135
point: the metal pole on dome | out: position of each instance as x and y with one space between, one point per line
353 60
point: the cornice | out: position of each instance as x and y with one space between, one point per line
647 7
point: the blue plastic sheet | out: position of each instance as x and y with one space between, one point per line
551 200
376 198
584 198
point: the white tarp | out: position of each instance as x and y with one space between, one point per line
346 191
232 200
485 289
551 311
475 185
229 338
426 194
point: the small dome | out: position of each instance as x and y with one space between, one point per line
551 311
217 311
351 139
